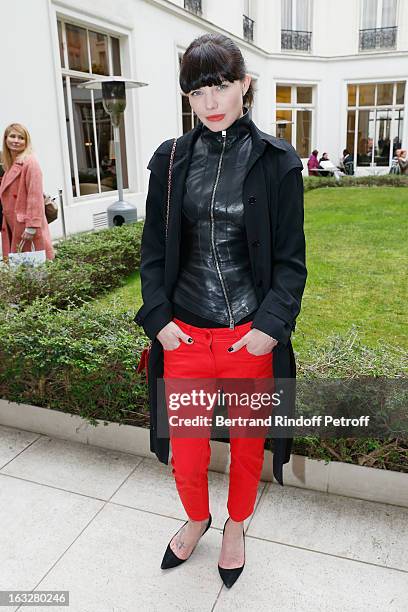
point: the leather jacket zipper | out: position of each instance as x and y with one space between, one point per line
217 265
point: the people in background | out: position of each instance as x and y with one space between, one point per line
347 162
402 161
325 164
21 193
313 163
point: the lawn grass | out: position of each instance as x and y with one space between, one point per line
357 258
126 297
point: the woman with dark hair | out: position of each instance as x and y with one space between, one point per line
223 273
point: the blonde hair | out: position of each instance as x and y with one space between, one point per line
7 158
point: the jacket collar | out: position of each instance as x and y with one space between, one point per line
238 130
259 138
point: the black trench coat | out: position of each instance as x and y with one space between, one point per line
273 211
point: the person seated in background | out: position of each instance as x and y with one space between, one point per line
402 161
329 168
313 163
347 162
395 167
324 165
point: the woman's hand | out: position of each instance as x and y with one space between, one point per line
27 235
171 336
256 342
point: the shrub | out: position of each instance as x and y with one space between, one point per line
86 265
386 180
84 362
76 361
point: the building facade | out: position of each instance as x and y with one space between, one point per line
327 76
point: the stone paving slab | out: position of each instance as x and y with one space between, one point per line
335 524
76 467
96 522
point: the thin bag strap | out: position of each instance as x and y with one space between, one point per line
173 150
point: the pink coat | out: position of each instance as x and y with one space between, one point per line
21 194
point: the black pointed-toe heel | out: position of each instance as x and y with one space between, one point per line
230 576
170 559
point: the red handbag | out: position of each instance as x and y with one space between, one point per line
144 358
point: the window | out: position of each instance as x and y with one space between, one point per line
295 26
375 120
378 24
248 21
85 53
379 14
194 6
189 118
294 113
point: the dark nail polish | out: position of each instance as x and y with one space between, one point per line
190 340
230 349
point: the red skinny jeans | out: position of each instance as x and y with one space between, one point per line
207 357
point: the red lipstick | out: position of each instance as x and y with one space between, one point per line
216 117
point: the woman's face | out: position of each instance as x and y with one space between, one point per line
219 106
16 142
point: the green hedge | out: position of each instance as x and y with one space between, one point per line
75 361
386 180
85 266
84 362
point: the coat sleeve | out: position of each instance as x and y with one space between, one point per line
157 310
277 312
35 199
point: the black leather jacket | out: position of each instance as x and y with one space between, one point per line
215 280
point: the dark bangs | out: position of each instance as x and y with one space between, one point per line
210 60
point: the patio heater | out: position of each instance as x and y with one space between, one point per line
114 103
283 123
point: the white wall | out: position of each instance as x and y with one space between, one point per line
152 33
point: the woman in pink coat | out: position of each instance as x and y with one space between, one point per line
21 194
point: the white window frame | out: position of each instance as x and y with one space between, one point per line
378 24
394 107
294 15
296 106
118 28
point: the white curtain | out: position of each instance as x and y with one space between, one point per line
302 15
287 15
369 14
389 14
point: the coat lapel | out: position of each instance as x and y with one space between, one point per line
184 150
13 173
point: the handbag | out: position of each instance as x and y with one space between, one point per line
28 258
144 357
50 207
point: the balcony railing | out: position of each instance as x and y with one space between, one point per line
378 38
248 28
194 6
297 40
